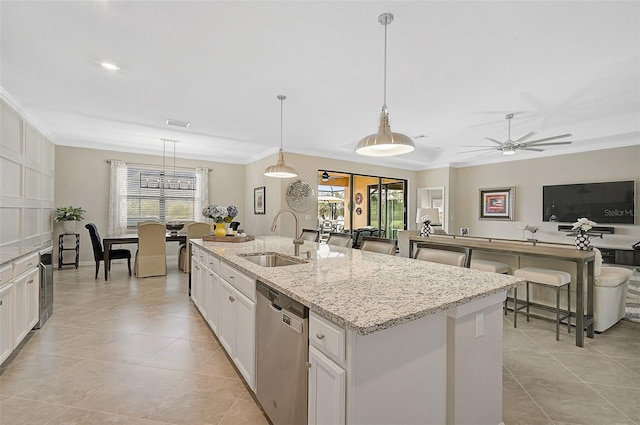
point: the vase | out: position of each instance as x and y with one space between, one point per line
219 229
69 227
583 243
426 230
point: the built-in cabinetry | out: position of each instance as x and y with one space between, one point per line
27 163
19 302
226 299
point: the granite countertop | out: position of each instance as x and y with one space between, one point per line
363 291
12 253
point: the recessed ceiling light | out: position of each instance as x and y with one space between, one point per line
109 65
178 123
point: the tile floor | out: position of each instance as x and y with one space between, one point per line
136 352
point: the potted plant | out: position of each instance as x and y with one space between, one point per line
69 216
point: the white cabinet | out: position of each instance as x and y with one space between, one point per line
6 321
196 265
26 298
33 298
327 383
213 304
237 328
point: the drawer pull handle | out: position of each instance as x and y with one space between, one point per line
231 298
30 281
231 277
0 302
320 336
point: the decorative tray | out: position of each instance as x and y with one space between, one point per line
211 238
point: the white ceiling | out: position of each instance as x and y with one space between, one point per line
455 69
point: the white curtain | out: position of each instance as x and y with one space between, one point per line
202 193
118 198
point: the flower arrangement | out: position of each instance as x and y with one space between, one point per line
69 214
220 213
583 225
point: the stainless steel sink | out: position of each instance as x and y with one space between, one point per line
272 259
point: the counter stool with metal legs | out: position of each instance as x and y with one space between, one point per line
493 267
550 279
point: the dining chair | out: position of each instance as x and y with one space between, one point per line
379 245
451 255
194 231
340 239
151 257
310 235
98 252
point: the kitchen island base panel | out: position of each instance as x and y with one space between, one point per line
398 375
474 364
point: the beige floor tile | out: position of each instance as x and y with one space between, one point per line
74 384
625 399
633 364
573 402
148 422
76 416
172 326
519 420
17 411
136 393
198 400
184 354
517 403
244 411
618 346
536 363
134 349
33 371
517 338
624 329
599 369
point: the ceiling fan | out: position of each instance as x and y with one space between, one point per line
326 177
511 146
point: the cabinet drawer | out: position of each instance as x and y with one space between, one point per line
327 336
195 251
24 264
213 262
243 283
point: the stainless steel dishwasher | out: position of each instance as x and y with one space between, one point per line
282 351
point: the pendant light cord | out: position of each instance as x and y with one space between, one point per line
384 106
281 113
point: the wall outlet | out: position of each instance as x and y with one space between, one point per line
479 325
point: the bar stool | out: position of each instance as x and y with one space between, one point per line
493 267
548 278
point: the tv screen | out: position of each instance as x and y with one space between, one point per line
604 203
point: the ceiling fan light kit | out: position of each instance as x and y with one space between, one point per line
509 147
385 142
280 170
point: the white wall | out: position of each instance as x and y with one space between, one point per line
82 179
528 176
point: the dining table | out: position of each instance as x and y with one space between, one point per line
131 238
584 261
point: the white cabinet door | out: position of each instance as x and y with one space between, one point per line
6 321
213 313
227 320
203 295
245 355
327 382
195 279
21 295
33 298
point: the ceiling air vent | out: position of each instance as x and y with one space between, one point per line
177 123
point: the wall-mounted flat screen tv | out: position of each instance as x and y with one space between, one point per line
604 203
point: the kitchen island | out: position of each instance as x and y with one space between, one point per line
422 342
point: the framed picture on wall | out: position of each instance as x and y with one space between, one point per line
497 204
259 200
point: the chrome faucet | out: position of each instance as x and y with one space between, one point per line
296 240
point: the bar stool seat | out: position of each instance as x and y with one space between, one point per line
549 278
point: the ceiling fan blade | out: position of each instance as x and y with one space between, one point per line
494 141
477 146
548 144
525 137
531 149
549 138
479 150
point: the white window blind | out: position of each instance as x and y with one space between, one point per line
153 196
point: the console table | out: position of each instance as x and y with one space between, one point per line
62 249
584 261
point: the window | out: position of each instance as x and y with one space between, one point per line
148 199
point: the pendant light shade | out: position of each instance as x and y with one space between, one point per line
385 142
280 170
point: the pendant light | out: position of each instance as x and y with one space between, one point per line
384 142
280 170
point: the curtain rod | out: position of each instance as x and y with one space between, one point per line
108 161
